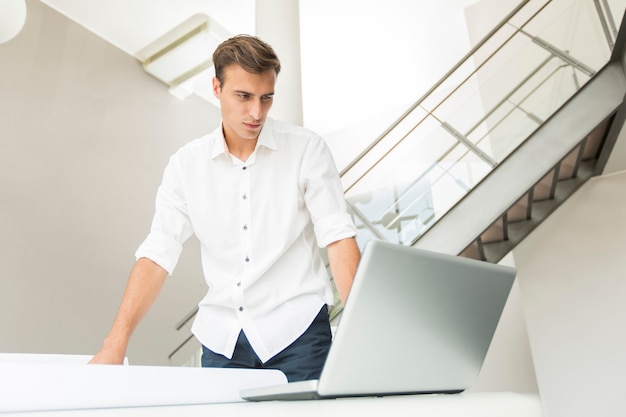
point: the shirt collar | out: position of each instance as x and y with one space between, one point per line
266 139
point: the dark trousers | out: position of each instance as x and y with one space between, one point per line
300 361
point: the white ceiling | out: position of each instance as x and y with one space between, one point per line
130 25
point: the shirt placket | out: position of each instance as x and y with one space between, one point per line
245 239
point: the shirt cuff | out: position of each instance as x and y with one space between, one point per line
334 227
162 250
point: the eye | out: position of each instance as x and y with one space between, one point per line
243 96
267 98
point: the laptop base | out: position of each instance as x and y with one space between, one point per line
307 390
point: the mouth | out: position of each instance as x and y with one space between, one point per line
252 126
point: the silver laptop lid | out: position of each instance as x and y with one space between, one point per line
415 321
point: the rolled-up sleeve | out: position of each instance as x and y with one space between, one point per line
324 196
171 226
333 228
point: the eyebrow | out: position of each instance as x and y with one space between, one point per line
250 94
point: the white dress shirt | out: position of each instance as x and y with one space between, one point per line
260 224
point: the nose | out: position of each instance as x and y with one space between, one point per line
256 109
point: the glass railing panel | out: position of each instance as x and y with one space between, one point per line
438 191
398 212
550 94
492 85
533 8
366 231
554 79
486 107
406 191
500 116
503 136
394 137
460 176
389 186
573 26
421 146
455 83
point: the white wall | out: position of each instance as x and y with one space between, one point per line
573 286
509 365
84 136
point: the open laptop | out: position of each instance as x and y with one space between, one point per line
415 322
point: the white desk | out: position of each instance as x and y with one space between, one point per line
456 405
47 386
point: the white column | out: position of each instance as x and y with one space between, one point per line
278 23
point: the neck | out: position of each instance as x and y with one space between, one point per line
241 148
241 154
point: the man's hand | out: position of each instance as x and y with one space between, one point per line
108 357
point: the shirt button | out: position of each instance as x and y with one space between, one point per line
239 284
244 168
245 227
247 259
245 196
240 308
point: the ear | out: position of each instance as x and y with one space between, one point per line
217 87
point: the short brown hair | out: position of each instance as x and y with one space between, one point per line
249 52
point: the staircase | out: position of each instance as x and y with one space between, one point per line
543 197
531 116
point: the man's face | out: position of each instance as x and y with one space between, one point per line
245 100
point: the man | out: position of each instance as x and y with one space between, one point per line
261 196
